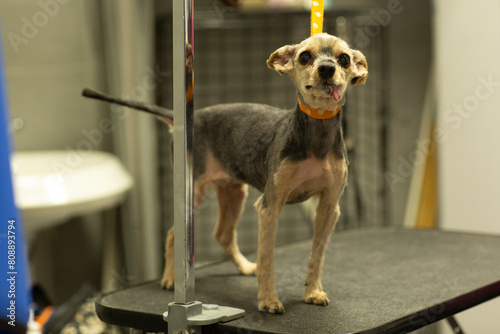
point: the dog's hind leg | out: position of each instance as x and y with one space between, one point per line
168 277
231 199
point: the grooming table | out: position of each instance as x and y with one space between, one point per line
379 280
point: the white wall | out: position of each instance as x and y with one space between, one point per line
467 47
52 49
409 61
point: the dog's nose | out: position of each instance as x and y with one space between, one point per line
326 71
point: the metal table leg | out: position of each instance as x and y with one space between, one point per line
455 327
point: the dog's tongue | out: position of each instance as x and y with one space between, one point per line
336 93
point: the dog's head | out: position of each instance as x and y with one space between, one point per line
321 67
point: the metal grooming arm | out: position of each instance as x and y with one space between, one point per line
186 315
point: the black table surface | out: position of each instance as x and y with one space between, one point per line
379 280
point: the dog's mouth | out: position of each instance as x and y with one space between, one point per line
329 89
336 92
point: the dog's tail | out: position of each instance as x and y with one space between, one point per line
165 115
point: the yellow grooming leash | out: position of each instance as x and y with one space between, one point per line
317 9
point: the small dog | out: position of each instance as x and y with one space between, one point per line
289 155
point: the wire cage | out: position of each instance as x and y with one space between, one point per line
231 48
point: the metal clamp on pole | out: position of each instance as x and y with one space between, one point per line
186 314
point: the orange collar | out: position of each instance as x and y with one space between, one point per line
318 113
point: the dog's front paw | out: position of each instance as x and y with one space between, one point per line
167 282
271 306
317 297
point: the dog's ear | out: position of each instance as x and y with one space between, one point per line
360 68
282 59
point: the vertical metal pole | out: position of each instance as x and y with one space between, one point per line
185 315
183 75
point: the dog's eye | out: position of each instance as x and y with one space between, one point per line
344 60
305 57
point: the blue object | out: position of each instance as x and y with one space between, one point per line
15 293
